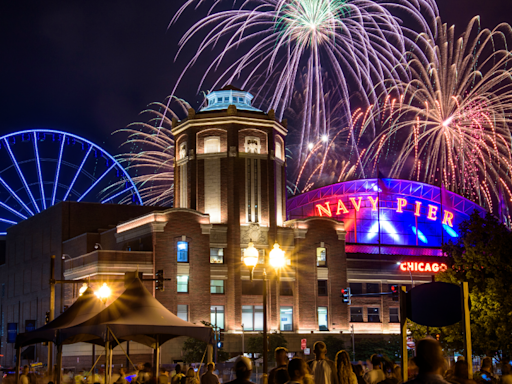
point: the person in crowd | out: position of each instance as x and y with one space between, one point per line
397 370
281 376
178 376
243 370
485 374
359 372
430 362
322 369
281 356
344 369
122 377
297 370
163 377
209 377
506 373
190 377
412 369
24 375
460 373
376 375
389 372
144 376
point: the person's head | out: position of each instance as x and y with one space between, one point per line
140 366
376 361
281 376
211 367
358 369
25 369
320 349
461 369
429 356
281 355
243 368
178 368
342 360
190 372
389 368
397 372
297 368
486 364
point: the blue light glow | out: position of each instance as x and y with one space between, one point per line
8 221
450 231
373 231
421 236
77 174
16 196
39 175
117 194
13 210
59 162
96 182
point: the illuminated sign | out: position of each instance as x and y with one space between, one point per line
401 204
420 266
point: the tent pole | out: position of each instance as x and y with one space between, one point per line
157 367
96 362
126 354
107 360
18 364
110 366
59 364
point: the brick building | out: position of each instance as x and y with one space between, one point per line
230 188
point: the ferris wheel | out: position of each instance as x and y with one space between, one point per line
41 167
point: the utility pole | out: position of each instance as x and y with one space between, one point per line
52 314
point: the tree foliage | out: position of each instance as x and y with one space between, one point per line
334 345
194 350
388 348
482 256
255 344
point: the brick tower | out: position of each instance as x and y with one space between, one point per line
230 164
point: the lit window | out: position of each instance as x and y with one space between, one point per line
182 312
322 319
252 144
321 257
217 316
241 100
212 144
279 150
216 255
182 252
393 315
182 283
226 99
286 316
252 317
322 288
373 315
183 150
216 286
356 314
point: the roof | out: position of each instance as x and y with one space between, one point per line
229 95
85 307
135 315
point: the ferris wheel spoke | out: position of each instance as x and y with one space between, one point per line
77 174
22 177
13 210
116 195
7 221
39 175
59 162
13 194
96 182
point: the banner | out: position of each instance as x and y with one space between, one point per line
30 325
12 332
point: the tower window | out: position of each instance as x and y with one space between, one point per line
321 259
212 144
183 150
252 144
279 150
182 252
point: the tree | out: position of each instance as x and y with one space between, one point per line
388 348
194 350
334 345
482 256
255 344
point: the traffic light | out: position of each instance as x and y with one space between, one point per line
438 336
159 280
345 292
394 292
47 317
220 341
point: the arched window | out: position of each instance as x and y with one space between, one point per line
212 144
252 144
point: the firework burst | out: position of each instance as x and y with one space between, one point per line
266 44
450 124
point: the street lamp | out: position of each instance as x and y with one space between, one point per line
82 289
276 260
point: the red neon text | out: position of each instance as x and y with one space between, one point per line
414 266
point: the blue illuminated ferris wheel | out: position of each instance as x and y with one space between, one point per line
41 167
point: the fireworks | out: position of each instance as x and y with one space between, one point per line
271 43
449 125
151 158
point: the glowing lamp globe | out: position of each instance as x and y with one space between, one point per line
82 289
276 257
251 255
104 292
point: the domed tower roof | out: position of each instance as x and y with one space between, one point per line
229 95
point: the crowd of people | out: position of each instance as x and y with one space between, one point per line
429 366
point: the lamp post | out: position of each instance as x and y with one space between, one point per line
276 260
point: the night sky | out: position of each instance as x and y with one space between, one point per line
90 67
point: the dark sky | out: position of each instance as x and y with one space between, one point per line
89 67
